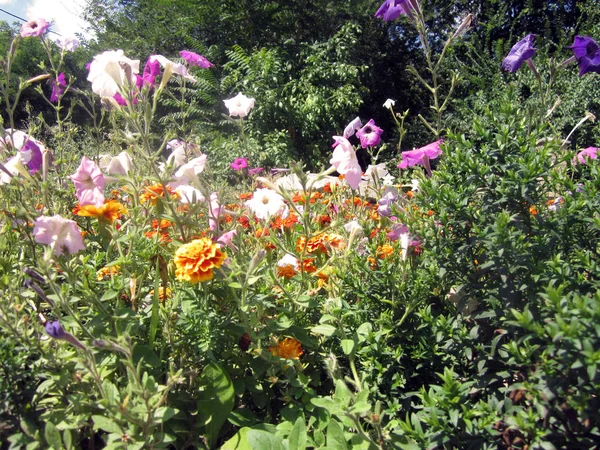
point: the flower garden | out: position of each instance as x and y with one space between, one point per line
442 296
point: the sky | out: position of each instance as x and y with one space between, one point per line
65 14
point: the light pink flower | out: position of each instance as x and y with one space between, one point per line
171 68
35 28
413 157
62 234
352 128
111 71
240 105
214 211
189 194
227 239
588 153
345 162
89 183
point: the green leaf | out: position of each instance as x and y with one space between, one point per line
263 440
335 436
348 346
238 441
324 329
216 400
52 436
164 413
297 437
106 424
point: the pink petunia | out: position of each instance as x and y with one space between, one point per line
414 157
89 183
588 153
345 162
62 234
194 59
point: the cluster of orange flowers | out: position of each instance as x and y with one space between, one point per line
106 273
160 228
320 243
196 260
288 348
154 192
109 212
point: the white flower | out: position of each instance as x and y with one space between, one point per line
188 173
14 166
345 162
116 165
112 70
389 103
289 261
379 172
189 194
68 44
353 227
266 203
240 105
171 68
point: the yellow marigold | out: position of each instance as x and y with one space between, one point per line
110 211
153 193
106 272
289 348
196 260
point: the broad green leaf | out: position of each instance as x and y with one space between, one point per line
263 440
52 436
324 329
238 441
106 424
335 436
297 437
348 346
164 413
216 400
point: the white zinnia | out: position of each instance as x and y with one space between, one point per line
112 70
266 203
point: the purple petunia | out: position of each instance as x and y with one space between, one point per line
587 52
194 59
519 53
239 164
31 156
392 9
369 135
58 88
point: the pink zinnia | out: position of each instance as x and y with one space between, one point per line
345 162
194 59
588 153
35 28
62 234
89 183
414 157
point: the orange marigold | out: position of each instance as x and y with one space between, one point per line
153 193
106 273
196 260
110 211
384 251
289 348
163 293
533 210
287 271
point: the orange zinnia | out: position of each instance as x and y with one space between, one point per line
110 211
196 260
289 348
153 193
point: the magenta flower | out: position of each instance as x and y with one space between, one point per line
587 52
584 155
239 164
31 156
194 59
414 157
62 234
345 162
392 9
369 135
35 28
58 88
519 53
255 171
89 183
151 71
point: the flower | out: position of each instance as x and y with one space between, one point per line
14 166
56 331
392 9
351 128
189 171
171 68
239 164
107 272
240 105
35 28
369 135
151 71
196 260
214 211
112 70
116 165
68 44
189 194
154 192
227 239
194 59
413 157
588 153
62 234
255 171
289 348
389 103
109 212
266 203
587 52
345 162
519 53
31 156
385 203
287 267
58 88
89 183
